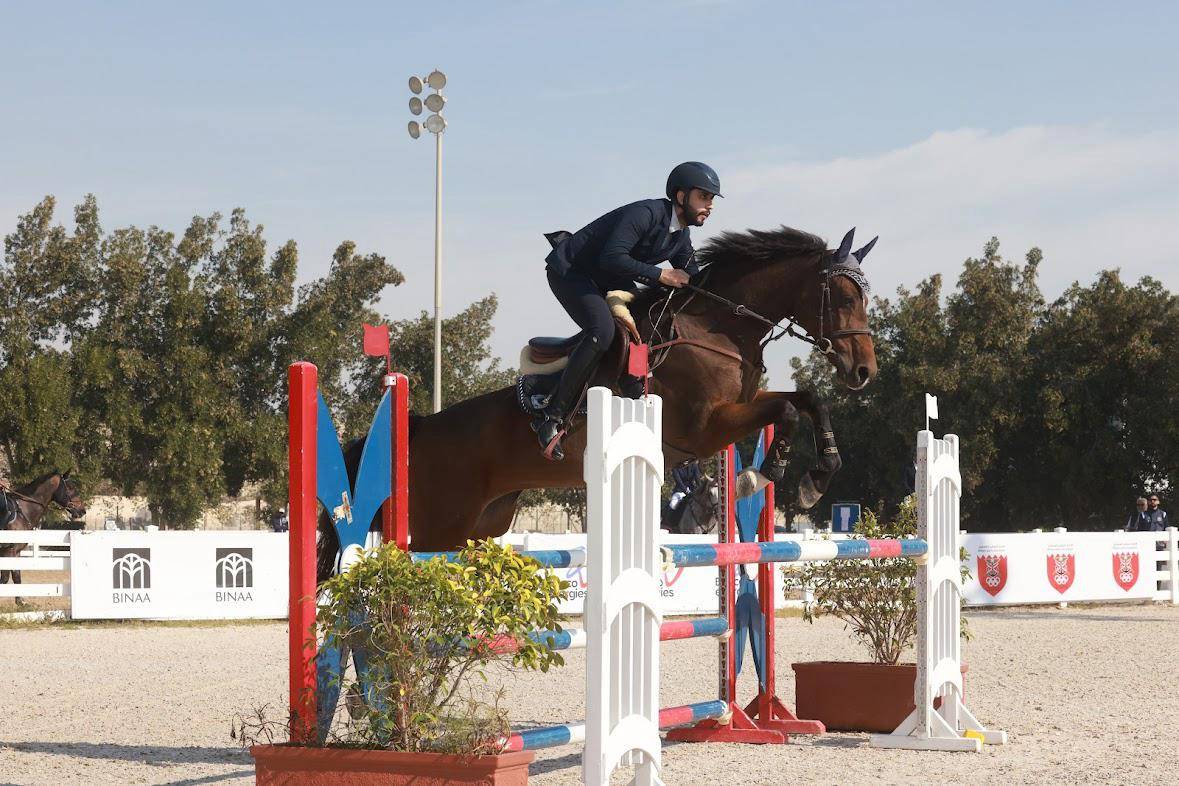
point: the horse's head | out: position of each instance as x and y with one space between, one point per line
68 496
834 310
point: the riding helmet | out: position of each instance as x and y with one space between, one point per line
692 174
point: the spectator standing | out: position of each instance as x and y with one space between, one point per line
1158 516
1139 520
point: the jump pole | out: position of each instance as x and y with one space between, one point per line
766 710
738 726
302 380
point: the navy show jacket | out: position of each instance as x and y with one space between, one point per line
624 246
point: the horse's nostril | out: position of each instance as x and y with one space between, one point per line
863 374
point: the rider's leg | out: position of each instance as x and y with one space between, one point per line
584 302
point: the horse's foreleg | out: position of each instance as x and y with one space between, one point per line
819 414
813 485
732 422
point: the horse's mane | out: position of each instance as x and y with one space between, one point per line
739 249
758 245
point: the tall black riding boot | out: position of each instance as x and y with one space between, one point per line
583 361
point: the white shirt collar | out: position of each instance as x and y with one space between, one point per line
674 226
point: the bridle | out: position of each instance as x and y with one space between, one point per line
61 487
792 328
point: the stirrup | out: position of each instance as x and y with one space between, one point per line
553 451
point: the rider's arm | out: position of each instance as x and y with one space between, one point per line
685 260
627 233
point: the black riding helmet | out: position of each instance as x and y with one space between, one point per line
692 174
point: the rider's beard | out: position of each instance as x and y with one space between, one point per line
693 217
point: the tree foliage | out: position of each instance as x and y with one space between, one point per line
156 365
1064 409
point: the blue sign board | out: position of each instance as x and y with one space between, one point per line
845 516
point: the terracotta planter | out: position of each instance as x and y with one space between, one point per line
847 696
292 765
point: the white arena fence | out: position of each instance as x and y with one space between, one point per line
187 574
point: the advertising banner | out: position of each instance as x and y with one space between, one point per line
1051 567
179 575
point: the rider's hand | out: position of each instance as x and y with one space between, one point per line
672 277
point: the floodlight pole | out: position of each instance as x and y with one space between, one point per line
438 271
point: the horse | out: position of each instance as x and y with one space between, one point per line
31 502
697 513
471 461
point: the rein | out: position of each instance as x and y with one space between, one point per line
792 328
18 495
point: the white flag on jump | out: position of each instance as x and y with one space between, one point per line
930 407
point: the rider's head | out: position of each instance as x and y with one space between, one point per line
691 187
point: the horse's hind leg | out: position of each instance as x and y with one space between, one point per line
496 517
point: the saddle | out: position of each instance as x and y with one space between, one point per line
544 357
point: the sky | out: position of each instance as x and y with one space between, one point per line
935 125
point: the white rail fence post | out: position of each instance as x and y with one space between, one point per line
38 557
623 476
1166 563
939 606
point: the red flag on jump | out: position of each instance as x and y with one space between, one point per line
376 340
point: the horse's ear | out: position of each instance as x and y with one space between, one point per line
845 246
863 252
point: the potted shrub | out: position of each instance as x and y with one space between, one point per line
877 601
427 633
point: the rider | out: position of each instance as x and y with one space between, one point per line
613 252
687 477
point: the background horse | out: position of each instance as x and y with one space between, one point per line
32 501
471 461
698 513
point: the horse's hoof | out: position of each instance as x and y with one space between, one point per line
749 482
808 495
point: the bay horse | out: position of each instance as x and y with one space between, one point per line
470 462
32 501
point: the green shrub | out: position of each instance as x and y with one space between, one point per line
876 599
430 631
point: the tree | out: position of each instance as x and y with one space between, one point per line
1098 424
